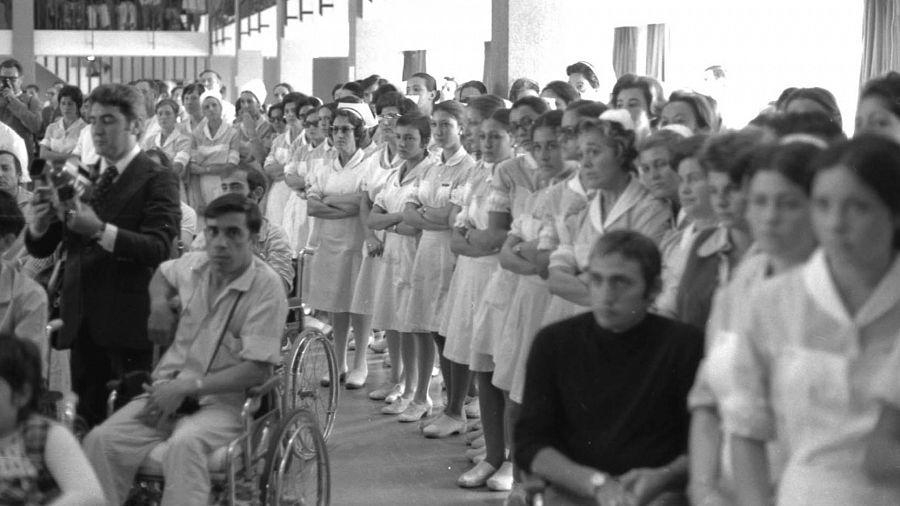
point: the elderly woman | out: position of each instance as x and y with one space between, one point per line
333 198
62 135
214 151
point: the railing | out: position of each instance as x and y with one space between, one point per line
164 15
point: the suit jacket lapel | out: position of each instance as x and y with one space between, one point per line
130 181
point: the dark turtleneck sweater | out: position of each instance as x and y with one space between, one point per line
611 401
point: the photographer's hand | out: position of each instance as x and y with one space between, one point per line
84 221
42 212
8 93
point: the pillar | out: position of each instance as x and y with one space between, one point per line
23 38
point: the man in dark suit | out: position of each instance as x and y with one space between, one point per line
113 243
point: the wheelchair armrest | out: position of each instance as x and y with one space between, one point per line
265 388
53 326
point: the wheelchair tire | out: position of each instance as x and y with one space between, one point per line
297 471
312 358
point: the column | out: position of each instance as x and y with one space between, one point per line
23 38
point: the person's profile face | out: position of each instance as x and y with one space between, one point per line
619 297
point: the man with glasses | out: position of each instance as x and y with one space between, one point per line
19 110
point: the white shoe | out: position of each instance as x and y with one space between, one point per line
395 393
397 407
381 393
472 408
502 480
415 412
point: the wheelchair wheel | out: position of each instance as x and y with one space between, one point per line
297 470
311 360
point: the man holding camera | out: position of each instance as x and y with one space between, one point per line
112 242
227 308
19 110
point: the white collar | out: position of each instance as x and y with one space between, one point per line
122 163
456 157
629 198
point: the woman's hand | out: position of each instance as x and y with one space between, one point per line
374 247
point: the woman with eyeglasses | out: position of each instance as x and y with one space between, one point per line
285 149
521 258
275 113
428 209
394 266
214 151
477 238
333 198
521 117
812 361
620 202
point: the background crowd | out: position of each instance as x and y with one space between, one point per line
639 302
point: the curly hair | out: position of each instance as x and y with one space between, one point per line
616 136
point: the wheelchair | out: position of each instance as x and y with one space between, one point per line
309 357
280 458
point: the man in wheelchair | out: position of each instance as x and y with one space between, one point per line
227 309
604 416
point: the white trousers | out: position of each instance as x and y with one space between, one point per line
117 448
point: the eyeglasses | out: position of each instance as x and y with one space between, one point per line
344 129
525 123
389 117
277 120
310 124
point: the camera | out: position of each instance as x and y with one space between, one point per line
66 184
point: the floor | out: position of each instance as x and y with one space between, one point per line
376 460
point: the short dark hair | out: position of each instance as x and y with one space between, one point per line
20 367
886 87
74 94
370 81
478 85
352 87
585 69
204 71
686 148
486 105
587 108
395 99
501 116
520 84
284 85
191 88
418 121
12 221
12 63
820 96
430 83
255 176
632 246
536 104
169 102
731 153
660 139
453 108
233 203
875 161
33 87
550 119
563 90
648 86
815 123
792 160
382 91
124 97
298 99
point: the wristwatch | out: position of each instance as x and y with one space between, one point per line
598 479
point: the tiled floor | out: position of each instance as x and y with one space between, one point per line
376 460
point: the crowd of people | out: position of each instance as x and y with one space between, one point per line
625 300
120 14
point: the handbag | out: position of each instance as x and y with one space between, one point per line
131 384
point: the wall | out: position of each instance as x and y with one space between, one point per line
119 43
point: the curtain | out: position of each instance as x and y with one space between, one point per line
657 44
881 38
413 61
625 41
